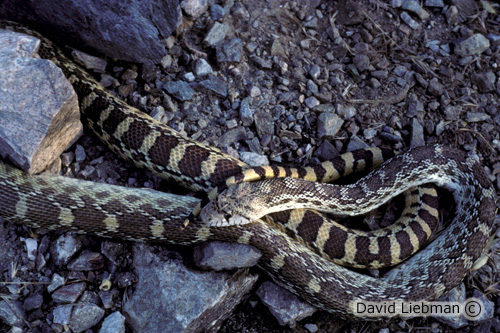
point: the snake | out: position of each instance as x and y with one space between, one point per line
144 215
202 169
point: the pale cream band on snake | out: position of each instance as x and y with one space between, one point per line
366 249
161 218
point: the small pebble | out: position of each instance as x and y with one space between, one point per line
313 328
80 154
217 12
311 102
202 67
474 45
231 123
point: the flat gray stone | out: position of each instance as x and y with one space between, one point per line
202 67
217 12
254 159
414 7
346 111
487 310
417 134
89 61
311 102
362 62
56 282
114 323
220 256
69 293
179 299
262 63
87 261
264 122
63 249
85 316
33 302
485 81
408 20
62 314
285 306
457 294
213 85
414 106
434 3
380 74
11 312
230 51
474 45
329 124
474 117
189 77
312 87
180 90
216 34
369 133
326 151
80 153
452 112
312 23
246 113
194 8
390 137
240 11
435 87
232 136
356 143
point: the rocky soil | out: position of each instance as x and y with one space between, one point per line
285 83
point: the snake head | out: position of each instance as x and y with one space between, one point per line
237 205
217 213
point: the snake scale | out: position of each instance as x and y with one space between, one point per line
144 215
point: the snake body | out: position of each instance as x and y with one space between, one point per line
140 215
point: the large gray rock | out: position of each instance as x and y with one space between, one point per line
125 29
39 114
178 299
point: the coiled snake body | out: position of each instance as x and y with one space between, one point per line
143 215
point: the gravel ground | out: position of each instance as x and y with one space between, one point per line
296 83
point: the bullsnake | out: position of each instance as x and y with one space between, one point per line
117 212
147 143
